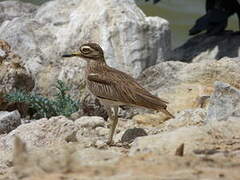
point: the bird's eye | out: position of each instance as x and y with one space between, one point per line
85 49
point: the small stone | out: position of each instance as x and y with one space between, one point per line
101 131
131 134
9 121
100 144
2 53
90 122
76 115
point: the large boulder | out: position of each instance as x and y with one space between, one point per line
13 9
196 139
41 133
13 76
131 41
191 129
188 86
57 130
200 130
204 46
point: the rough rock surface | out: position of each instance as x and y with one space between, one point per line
195 139
202 47
132 41
9 121
224 102
12 9
13 76
199 128
92 122
60 148
78 150
187 86
42 132
208 153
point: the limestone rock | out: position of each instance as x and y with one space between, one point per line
186 118
224 102
202 47
102 131
90 122
13 9
220 135
92 157
168 142
131 41
9 121
42 132
191 128
187 127
5 49
150 119
152 158
13 76
187 86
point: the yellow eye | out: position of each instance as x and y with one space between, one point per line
85 49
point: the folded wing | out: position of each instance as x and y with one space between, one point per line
117 86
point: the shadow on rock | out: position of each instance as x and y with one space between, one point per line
204 46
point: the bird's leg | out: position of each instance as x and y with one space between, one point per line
114 121
110 117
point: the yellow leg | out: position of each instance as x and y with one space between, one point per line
114 121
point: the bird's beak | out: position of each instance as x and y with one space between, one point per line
72 54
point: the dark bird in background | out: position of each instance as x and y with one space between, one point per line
154 1
216 18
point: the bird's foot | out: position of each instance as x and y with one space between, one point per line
110 143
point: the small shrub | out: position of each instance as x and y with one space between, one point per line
61 104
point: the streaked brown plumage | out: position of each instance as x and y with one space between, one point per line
113 87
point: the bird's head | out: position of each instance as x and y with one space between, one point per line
89 51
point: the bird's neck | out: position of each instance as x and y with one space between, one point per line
95 66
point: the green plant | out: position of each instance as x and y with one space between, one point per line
61 104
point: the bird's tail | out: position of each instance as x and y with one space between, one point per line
165 111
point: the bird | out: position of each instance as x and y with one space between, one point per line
216 18
113 87
154 1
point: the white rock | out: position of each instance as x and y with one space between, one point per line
131 41
90 122
224 102
195 137
167 142
93 156
102 131
188 85
42 132
9 121
189 117
13 9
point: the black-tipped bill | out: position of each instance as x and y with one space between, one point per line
72 54
67 55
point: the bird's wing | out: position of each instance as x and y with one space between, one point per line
118 86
